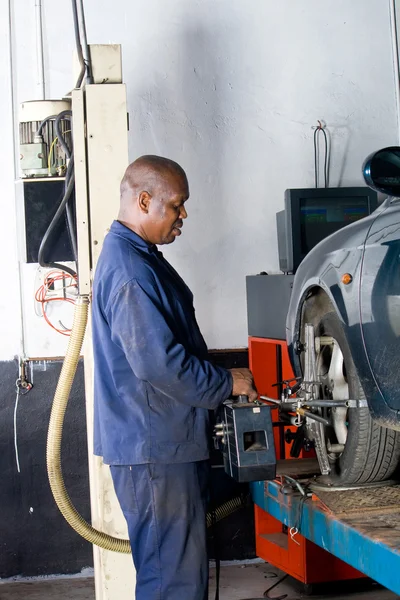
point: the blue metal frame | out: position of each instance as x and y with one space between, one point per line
353 540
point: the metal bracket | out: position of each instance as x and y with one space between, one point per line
22 382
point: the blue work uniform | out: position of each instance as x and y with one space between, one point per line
153 388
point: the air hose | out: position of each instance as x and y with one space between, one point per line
54 437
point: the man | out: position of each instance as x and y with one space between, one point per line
154 386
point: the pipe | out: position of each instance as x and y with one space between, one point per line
78 45
310 415
53 451
326 403
15 150
39 50
85 47
396 62
54 440
272 400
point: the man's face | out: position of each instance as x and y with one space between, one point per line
167 211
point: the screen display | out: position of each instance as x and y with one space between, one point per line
319 217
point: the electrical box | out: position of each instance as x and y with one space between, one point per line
33 157
268 298
106 63
247 438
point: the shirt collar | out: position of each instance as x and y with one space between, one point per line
118 229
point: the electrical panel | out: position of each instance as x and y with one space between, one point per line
41 200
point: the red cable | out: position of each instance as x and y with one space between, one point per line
42 291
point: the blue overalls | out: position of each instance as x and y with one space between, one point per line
153 389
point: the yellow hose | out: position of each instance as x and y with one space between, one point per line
225 510
54 437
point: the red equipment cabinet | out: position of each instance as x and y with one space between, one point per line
297 556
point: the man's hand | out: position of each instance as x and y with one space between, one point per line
243 384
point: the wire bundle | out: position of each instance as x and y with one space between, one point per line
44 297
50 161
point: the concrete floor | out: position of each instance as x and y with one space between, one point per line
237 583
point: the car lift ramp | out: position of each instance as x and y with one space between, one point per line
359 526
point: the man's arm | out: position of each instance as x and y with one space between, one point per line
140 329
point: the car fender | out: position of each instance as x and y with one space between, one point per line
321 272
343 301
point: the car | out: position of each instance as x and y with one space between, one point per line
344 313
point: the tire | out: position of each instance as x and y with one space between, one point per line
371 452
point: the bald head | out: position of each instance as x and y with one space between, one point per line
148 172
153 193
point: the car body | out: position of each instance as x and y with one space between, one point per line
368 307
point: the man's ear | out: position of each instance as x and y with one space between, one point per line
144 199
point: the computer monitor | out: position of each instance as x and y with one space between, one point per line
311 215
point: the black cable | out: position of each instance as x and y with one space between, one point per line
69 214
315 158
283 596
65 114
43 123
62 116
71 231
326 158
316 131
50 229
70 170
71 228
78 45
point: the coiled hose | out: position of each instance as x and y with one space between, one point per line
54 437
225 510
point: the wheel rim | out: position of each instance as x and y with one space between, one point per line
331 372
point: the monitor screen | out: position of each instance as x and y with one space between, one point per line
320 217
313 214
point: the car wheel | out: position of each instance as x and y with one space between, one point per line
359 450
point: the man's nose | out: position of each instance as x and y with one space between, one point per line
183 213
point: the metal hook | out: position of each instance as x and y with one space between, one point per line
321 125
293 532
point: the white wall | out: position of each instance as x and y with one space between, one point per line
231 90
